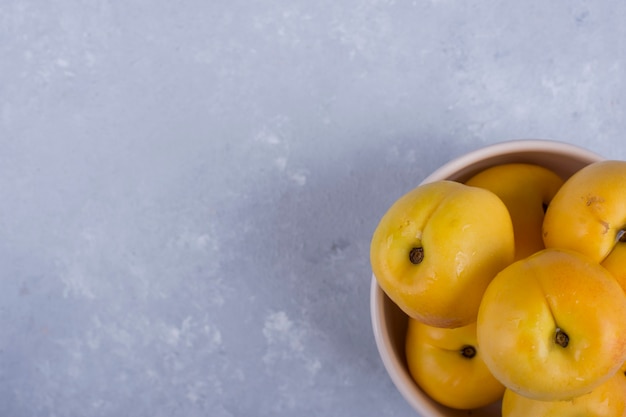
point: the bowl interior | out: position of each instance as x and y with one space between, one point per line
389 322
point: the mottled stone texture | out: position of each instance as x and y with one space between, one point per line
188 188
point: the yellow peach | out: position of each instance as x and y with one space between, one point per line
526 190
437 248
447 364
588 213
553 326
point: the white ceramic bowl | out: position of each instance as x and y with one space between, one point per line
389 322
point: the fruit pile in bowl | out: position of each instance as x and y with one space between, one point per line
498 285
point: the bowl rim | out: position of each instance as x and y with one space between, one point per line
508 147
402 380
